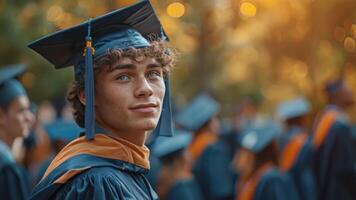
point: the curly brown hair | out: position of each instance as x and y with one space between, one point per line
158 50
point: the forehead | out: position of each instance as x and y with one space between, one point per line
19 102
137 60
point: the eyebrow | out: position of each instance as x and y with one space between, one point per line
124 66
133 66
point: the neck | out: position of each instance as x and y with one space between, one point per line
136 137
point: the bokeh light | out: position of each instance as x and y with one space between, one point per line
176 9
54 13
248 9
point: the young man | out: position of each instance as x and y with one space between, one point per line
295 146
15 121
334 159
129 99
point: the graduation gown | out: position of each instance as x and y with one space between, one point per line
334 159
13 179
104 168
267 183
185 190
295 159
213 170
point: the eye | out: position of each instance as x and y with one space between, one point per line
123 77
154 74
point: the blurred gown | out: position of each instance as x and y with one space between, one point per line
213 170
103 168
184 190
200 142
296 153
334 159
14 183
267 183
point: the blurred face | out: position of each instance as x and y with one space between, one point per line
244 162
17 119
345 97
129 98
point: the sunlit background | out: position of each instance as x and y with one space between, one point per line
271 50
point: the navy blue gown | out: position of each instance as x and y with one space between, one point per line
213 170
334 163
14 183
300 169
185 189
104 168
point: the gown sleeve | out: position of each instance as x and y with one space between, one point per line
91 187
276 186
13 182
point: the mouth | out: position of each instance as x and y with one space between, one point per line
145 108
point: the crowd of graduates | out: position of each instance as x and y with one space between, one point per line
254 155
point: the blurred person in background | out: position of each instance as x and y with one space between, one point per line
175 179
334 159
295 147
60 133
257 163
199 117
213 169
16 120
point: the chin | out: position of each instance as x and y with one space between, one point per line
148 124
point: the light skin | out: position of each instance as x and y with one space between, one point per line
128 99
15 120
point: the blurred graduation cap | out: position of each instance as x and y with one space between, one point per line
65 130
164 146
258 137
129 27
10 88
198 112
293 108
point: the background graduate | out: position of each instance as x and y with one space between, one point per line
295 146
175 179
257 163
16 120
334 159
130 98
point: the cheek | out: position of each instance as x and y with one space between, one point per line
159 89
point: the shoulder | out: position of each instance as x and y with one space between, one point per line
95 183
106 183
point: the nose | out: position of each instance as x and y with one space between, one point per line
143 88
30 118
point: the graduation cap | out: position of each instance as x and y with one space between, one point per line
129 27
10 88
257 137
198 112
66 130
293 108
165 146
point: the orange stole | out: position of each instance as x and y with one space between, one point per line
292 150
249 189
102 146
323 127
200 142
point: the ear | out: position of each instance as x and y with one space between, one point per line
81 97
